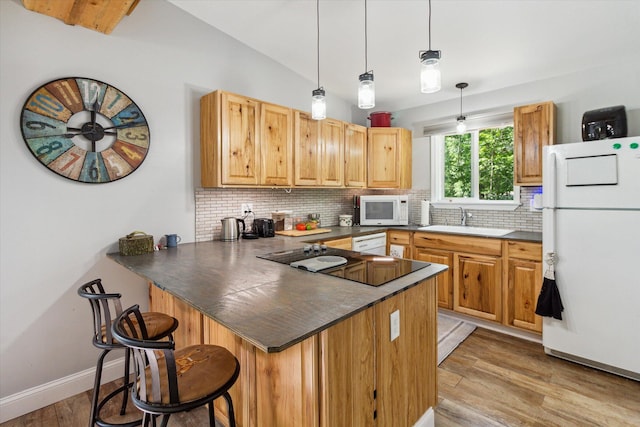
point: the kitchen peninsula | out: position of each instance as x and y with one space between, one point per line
314 349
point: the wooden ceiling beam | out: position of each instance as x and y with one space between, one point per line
97 15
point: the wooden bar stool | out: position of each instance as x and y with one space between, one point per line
169 380
106 308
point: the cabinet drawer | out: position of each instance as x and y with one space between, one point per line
478 245
524 250
399 237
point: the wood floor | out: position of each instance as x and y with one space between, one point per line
491 379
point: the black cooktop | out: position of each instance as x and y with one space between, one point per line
374 270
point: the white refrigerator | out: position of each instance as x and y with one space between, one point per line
591 221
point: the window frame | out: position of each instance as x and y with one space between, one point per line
437 176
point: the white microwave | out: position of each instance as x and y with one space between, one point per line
384 210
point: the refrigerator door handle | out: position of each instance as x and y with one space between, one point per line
549 178
549 203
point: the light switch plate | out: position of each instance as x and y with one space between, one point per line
395 325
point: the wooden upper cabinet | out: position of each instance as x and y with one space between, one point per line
306 149
318 151
276 145
244 142
534 127
332 158
240 143
389 158
355 155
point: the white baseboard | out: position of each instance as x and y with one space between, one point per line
46 394
427 419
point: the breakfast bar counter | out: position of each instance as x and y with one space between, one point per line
314 349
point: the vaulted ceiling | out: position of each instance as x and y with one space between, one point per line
490 44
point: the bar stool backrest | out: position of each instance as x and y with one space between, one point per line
106 308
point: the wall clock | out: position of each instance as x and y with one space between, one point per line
85 130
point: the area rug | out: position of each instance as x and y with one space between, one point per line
451 332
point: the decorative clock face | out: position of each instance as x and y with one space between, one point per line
85 130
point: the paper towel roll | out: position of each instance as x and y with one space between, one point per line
424 212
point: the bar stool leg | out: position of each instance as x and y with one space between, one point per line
96 388
125 393
232 417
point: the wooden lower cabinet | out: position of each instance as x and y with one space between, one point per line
350 374
477 286
444 280
524 281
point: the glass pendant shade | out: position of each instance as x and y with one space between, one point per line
430 78
366 91
461 127
318 105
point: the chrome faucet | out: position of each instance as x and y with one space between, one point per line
463 218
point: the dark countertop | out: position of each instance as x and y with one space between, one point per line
271 305
338 232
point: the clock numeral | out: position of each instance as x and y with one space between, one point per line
115 100
92 92
48 148
93 169
74 158
134 115
66 91
38 125
48 104
135 136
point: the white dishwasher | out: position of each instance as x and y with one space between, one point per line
371 244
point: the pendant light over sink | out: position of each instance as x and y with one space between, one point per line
366 90
461 127
430 77
318 102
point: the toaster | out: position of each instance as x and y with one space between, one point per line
264 227
610 122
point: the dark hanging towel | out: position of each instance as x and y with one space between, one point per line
549 302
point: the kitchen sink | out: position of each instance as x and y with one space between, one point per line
462 229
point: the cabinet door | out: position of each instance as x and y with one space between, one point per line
347 372
476 286
525 282
406 366
276 145
444 280
534 127
355 156
332 153
306 149
240 154
389 158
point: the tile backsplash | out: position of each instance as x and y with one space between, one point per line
214 204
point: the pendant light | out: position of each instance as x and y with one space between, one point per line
461 127
366 90
318 102
430 66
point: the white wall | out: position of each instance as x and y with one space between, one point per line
603 86
56 232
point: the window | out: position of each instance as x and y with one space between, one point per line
475 168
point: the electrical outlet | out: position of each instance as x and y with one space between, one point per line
395 324
245 208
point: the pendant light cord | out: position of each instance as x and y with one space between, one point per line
365 37
318 37
461 101
429 24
